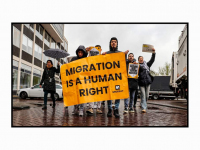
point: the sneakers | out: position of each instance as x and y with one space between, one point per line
80 112
45 107
131 110
126 110
144 111
99 111
116 113
89 111
109 114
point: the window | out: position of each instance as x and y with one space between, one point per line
47 39
37 86
25 76
58 87
15 74
45 58
30 26
57 47
38 52
36 80
53 44
39 32
27 44
16 37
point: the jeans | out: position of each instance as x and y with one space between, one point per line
132 97
45 97
144 95
116 104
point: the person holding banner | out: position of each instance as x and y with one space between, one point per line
94 52
145 79
81 52
132 82
113 46
49 81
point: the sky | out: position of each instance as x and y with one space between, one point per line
164 38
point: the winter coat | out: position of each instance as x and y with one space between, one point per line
49 73
144 75
132 83
115 50
82 48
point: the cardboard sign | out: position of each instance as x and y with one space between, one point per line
96 78
93 52
93 48
147 48
133 70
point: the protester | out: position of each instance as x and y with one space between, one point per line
135 99
113 46
81 52
49 81
92 104
145 79
133 85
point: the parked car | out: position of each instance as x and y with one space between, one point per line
36 91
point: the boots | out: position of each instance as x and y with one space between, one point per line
109 114
116 113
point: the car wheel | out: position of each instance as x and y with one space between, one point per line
155 96
23 95
56 96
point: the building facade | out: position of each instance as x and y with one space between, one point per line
29 41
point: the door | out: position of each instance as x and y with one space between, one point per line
36 91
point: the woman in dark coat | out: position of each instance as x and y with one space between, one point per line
145 79
49 81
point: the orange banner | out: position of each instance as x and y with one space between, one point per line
96 78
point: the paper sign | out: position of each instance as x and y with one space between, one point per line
97 48
133 70
95 78
147 48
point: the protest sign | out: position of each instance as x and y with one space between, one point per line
93 52
147 48
133 70
95 78
92 48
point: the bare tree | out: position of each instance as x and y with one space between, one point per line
162 71
166 70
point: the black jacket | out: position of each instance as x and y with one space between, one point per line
115 50
144 76
49 73
132 83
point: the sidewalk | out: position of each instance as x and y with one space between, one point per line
181 104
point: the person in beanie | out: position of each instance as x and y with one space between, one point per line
145 80
49 81
113 45
81 52
132 84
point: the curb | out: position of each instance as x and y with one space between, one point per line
169 106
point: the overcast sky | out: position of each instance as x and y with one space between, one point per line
164 38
